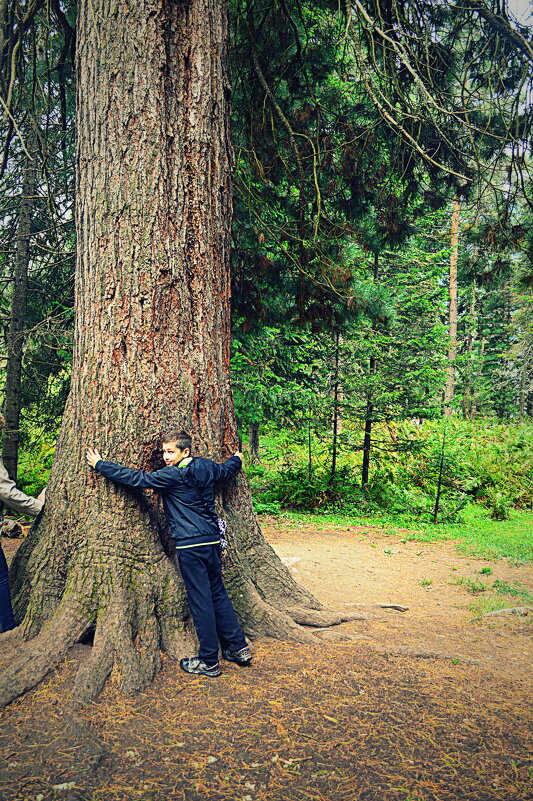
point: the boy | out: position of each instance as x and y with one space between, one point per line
187 484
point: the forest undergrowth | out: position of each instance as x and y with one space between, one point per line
444 479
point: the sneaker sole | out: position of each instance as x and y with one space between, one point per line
245 663
213 675
201 673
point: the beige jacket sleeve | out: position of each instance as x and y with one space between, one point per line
15 498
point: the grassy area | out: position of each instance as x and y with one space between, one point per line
485 496
501 595
491 596
486 463
478 535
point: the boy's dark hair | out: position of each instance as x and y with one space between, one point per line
181 439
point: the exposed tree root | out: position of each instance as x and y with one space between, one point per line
42 654
131 631
397 607
264 619
137 656
325 617
513 610
94 671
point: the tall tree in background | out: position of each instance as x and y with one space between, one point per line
151 352
17 321
36 217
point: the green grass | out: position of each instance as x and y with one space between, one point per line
515 590
505 596
477 535
471 586
481 606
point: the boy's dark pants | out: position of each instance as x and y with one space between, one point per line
7 621
211 609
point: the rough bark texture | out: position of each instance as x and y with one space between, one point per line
151 352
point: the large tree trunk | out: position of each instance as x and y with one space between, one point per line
151 352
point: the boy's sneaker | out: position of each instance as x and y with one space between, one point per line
242 657
193 664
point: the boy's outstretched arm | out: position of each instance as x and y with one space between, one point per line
228 468
159 479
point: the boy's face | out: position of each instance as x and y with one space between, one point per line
173 455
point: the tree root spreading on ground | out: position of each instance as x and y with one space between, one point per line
513 610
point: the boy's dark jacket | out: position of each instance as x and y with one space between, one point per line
188 495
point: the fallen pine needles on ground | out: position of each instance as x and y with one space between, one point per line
304 723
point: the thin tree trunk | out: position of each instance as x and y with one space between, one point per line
335 408
367 444
449 390
522 396
508 396
369 413
151 351
469 373
439 480
479 374
253 441
15 337
309 449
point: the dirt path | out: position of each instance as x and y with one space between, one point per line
365 566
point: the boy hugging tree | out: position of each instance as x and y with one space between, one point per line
187 485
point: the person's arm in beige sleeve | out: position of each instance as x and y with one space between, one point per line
17 500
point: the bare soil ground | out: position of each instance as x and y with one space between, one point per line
420 705
364 566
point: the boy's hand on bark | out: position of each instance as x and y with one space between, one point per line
42 495
239 454
92 455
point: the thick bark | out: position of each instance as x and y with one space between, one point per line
17 319
151 352
449 390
